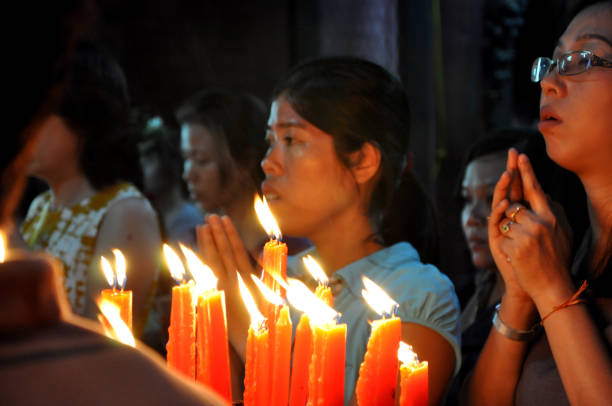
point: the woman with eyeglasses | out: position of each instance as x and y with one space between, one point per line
551 341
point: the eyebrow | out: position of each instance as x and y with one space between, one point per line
589 36
289 124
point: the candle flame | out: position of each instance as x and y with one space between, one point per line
202 274
257 319
177 270
268 293
116 327
406 355
377 298
2 247
304 300
315 270
107 269
120 268
266 219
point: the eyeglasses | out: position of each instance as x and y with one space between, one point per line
571 63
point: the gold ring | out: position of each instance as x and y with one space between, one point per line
514 214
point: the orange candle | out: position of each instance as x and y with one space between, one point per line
257 383
414 378
378 372
326 369
212 348
322 290
181 353
302 355
326 378
279 345
117 277
281 364
377 380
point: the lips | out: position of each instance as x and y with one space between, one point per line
269 192
549 119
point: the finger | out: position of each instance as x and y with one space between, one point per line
501 189
497 214
241 255
222 242
532 189
515 211
505 227
515 190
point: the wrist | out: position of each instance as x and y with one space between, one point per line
553 294
517 312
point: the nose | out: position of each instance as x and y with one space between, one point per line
552 84
270 164
188 172
477 215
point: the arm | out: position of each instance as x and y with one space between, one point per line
577 346
130 225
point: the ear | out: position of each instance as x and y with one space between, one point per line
365 163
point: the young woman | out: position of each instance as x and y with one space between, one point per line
337 133
86 156
572 361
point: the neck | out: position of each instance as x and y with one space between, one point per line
599 193
344 240
71 190
168 203
242 214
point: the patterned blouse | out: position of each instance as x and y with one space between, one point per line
70 234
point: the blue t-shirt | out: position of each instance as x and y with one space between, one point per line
425 297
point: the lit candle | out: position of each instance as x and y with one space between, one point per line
274 258
302 354
113 323
117 278
181 333
377 380
212 349
257 375
2 247
280 346
326 370
323 290
414 380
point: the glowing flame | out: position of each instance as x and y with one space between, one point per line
377 298
177 270
257 318
304 300
266 218
2 247
116 327
107 269
315 270
120 268
406 355
202 274
268 293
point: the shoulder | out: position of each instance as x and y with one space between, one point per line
131 210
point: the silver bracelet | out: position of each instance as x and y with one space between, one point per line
510 332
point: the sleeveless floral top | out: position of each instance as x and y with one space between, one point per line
70 234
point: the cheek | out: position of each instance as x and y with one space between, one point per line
465 215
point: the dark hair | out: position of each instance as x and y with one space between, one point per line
356 102
34 62
237 119
497 142
95 105
161 142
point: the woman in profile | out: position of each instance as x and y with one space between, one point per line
89 159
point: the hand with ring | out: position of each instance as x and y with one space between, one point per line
533 237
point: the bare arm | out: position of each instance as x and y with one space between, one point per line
131 226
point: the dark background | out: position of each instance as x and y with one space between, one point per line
464 63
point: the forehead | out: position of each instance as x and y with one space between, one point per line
484 170
589 24
196 136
